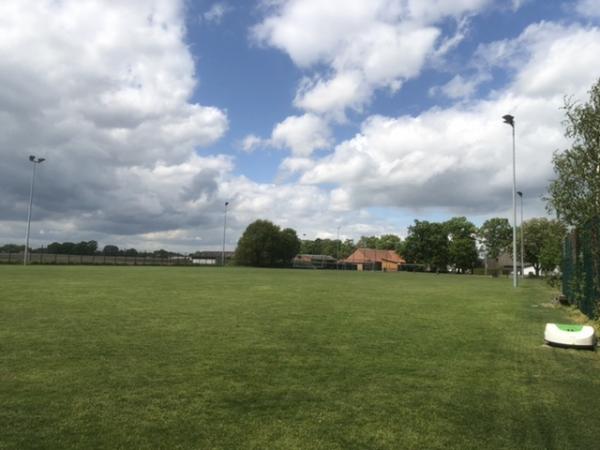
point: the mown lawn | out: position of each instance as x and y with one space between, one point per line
139 357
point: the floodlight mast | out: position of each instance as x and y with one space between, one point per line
224 230
520 194
510 120
337 262
35 162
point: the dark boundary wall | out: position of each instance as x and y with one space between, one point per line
52 258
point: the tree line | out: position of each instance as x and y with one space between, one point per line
456 243
436 246
86 248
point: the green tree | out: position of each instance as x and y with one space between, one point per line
109 250
427 243
64 248
307 247
317 247
12 248
462 245
551 255
384 242
85 248
130 252
160 253
54 247
463 254
347 248
460 228
575 192
329 247
289 245
263 244
389 242
496 236
542 239
368 242
92 247
68 248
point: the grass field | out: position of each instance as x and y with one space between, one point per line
131 357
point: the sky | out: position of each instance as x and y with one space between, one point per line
333 117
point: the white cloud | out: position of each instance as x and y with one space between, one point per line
331 97
547 59
103 91
251 142
216 12
366 45
449 43
563 60
459 158
517 4
302 134
588 8
295 165
460 87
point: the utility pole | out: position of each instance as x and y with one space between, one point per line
510 120
337 259
520 194
224 232
35 162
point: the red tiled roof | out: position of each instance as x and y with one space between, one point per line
368 255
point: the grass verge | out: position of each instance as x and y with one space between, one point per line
142 357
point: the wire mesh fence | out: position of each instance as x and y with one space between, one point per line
581 268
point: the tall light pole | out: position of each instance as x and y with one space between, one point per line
337 262
224 231
520 194
35 162
510 120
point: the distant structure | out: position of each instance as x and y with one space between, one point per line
502 265
211 258
372 259
306 261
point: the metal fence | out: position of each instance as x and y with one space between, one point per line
581 268
54 258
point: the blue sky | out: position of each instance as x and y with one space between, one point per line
256 84
363 115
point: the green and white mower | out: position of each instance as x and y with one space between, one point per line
570 335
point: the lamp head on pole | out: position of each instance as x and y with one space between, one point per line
33 159
510 120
